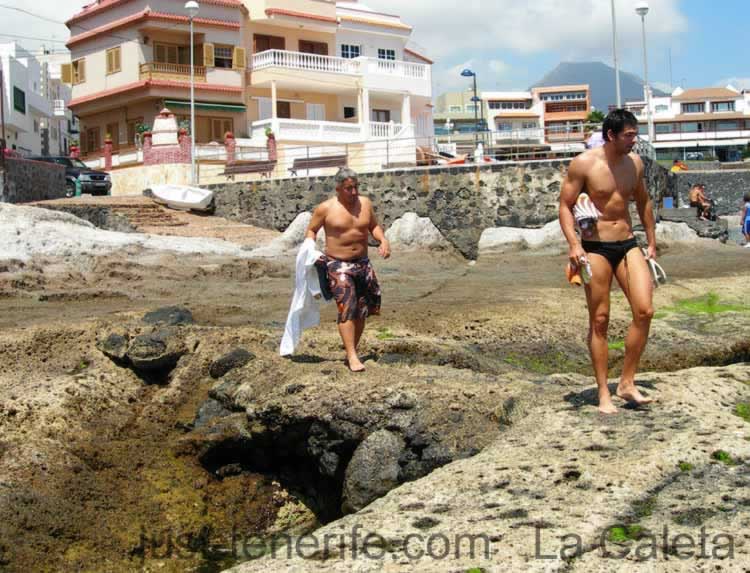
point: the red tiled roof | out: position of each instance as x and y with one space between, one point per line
417 55
147 15
153 83
282 12
102 5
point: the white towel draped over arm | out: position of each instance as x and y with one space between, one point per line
305 309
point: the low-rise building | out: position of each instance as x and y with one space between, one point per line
313 72
28 109
698 123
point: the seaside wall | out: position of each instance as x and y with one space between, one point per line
724 187
31 181
461 201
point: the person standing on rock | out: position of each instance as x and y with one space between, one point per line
613 175
348 219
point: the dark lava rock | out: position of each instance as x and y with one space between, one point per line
158 350
372 471
209 411
234 359
114 346
169 316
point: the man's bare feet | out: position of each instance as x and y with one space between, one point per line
630 393
355 364
605 404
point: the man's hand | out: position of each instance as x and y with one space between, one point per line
575 254
384 249
651 252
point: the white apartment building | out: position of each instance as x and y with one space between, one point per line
27 109
314 72
698 123
62 126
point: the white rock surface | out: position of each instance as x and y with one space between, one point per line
26 232
290 239
497 239
670 232
414 232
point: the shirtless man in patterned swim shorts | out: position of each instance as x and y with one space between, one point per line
348 219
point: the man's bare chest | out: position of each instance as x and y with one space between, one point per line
604 183
342 220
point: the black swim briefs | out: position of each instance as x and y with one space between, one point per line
613 251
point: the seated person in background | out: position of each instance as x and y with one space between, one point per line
678 166
698 200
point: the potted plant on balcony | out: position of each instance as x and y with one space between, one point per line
271 144
184 127
141 129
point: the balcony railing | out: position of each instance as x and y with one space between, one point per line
331 64
303 61
162 70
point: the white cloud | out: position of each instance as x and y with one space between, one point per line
499 67
48 28
573 28
739 83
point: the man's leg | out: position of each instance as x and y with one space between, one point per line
635 280
359 327
597 297
348 332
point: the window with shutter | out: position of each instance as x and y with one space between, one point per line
79 71
67 73
239 61
208 55
113 60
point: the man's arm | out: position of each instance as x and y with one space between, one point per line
571 188
317 221
645 210
378 234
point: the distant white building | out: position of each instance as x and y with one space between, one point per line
36 115
698 123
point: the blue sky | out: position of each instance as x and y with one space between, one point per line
513 43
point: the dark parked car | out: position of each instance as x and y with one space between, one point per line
92 181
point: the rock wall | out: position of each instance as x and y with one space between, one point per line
460 201
28 181
725 187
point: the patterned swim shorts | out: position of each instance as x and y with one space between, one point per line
354 287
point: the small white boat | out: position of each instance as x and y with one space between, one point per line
183 197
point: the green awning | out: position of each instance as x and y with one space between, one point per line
231 107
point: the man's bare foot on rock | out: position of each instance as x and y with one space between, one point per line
607 407
354 364
630 393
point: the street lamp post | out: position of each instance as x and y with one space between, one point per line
192 9
469 74
614 52
642 9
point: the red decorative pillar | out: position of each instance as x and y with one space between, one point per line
230 143
107 155
271 144
147 152
186 146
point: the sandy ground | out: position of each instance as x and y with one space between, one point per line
105 443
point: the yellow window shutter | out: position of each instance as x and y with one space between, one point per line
238 59
67 73
208 55
82 70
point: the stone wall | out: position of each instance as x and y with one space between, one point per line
725 187
31 181
461 201
134 180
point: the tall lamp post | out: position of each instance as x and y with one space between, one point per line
642 9
192 9
614 53
467 73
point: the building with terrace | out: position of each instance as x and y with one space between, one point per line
313 72
699 123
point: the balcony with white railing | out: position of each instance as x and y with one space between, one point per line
386 75
58 108
304 130
175 72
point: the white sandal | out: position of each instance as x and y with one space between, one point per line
658 276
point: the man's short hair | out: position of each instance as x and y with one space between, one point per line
617 120
343 174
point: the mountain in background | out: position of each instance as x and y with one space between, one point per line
601 80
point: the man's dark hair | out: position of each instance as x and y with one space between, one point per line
617 120
747 198
675 162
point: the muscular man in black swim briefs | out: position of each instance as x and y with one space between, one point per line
613 176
